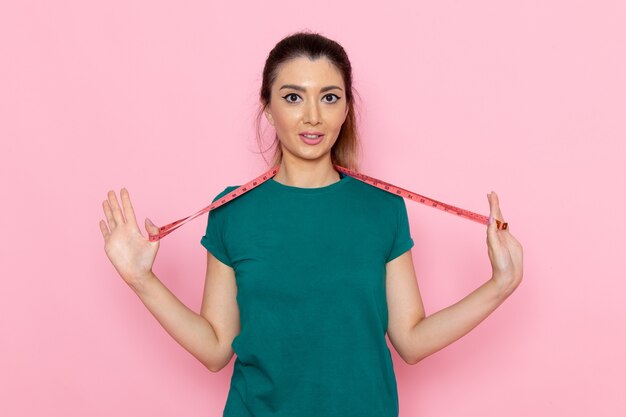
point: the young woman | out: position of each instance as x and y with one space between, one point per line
309 270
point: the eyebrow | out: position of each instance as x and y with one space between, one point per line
298 88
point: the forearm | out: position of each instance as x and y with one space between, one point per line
450 324
189 329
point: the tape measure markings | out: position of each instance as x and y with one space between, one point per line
169 228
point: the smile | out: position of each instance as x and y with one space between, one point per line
311 139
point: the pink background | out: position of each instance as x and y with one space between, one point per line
459 98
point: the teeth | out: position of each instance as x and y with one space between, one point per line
311 136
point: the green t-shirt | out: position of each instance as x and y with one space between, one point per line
310 272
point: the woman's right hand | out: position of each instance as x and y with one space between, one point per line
129 251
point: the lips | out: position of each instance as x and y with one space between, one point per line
311 135
311 138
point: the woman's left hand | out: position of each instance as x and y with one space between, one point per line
505 252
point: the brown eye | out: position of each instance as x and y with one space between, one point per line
290 96
334 98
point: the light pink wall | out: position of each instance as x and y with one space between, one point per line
459 98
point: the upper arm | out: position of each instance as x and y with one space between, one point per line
404 303
219 306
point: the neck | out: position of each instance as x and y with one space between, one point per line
306 174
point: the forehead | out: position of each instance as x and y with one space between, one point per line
308 73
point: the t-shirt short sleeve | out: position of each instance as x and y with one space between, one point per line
402 240
213 239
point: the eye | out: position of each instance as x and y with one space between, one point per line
334 98
290 96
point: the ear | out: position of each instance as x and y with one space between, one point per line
268 116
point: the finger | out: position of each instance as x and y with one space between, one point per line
495 206
128 208
496 212
492 227
504 227
115 208
104 229
151 228
109 214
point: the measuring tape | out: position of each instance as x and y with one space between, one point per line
169 228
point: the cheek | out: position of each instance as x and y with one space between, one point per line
285 118
339 118
281 124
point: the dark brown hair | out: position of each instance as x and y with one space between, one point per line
345 151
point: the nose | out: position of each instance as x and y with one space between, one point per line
312 113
